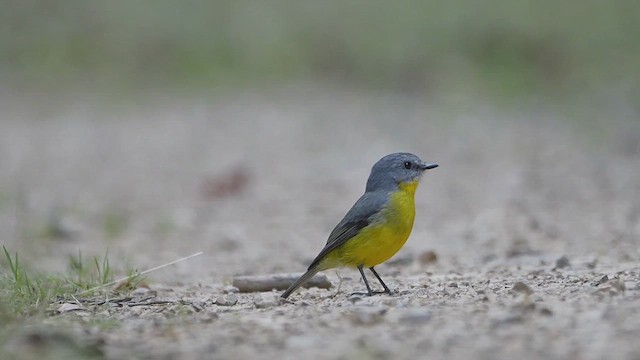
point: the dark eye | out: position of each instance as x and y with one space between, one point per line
407 165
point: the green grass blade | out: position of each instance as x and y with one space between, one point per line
13 265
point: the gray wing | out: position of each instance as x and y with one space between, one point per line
363 212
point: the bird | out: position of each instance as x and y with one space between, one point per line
377 225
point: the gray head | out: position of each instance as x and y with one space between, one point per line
394 169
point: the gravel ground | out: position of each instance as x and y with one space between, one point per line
534 222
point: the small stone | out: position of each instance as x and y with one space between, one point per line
227 300
368 315
521 287
452 284
602 280
611 288
266 301
428 257
562 262
617 284
230 289
416 316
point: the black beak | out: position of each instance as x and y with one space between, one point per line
426 166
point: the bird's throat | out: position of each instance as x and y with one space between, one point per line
409 187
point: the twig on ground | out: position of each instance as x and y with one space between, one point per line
277 282
149 303
142 273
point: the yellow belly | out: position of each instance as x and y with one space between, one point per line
379 241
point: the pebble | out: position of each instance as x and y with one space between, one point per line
602 280
522 288
562 262
617 284
230 289
611 287
227 300
266 301
428 257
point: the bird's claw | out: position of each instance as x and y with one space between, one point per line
390 292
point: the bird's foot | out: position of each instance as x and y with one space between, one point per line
371 293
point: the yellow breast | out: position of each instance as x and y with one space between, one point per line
379 241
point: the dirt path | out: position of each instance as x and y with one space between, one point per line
258 181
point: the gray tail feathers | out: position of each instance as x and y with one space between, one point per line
301 280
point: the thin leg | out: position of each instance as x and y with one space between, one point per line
386 289
369 292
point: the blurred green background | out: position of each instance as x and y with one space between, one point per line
144 131
499 49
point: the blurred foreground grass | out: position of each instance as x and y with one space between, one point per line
505 48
